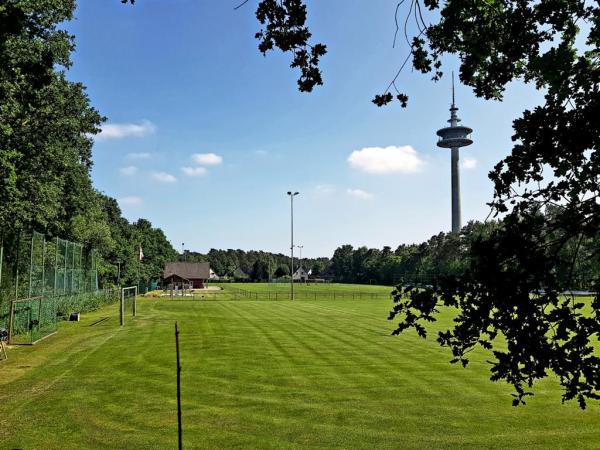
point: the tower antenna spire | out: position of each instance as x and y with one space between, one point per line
453 88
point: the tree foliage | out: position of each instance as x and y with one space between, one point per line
46 129
258 265
511 291
45 120
285 28
449 254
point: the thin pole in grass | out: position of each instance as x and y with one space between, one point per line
179 430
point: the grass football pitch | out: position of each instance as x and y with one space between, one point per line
267 374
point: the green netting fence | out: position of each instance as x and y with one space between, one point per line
42 281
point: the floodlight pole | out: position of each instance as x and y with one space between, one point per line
292 195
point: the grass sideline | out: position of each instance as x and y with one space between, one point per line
281 291
272 375
310 287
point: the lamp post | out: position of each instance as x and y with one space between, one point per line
292 195
300 247
270 270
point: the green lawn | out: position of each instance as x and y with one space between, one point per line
258 374
310 287
307 291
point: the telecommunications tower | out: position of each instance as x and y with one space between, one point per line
454 137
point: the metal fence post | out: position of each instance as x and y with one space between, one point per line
72 266
11 316
30 264
55 267
80 281
122 308
65 272
39 319
135 294
1 259
43 266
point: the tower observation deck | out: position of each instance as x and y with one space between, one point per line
454 137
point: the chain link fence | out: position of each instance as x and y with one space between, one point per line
43 281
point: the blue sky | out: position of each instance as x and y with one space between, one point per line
205 135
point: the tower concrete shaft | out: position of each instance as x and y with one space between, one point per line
455 170
456 215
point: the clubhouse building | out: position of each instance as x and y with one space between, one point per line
186 274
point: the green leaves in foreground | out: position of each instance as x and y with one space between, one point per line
285 28
507 304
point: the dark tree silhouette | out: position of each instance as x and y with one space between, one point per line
511 291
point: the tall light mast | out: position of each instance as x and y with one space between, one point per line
292 194
454 137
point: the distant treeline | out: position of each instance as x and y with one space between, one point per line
442 254
255 265
449 254
445 254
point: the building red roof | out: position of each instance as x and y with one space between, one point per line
187 270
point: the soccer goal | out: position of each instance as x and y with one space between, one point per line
128 303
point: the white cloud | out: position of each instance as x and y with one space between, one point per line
324 189
140 155
359 194
469 164
207 159
163 177
130 201
128 171
194 171
391 159
261 152
125 130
